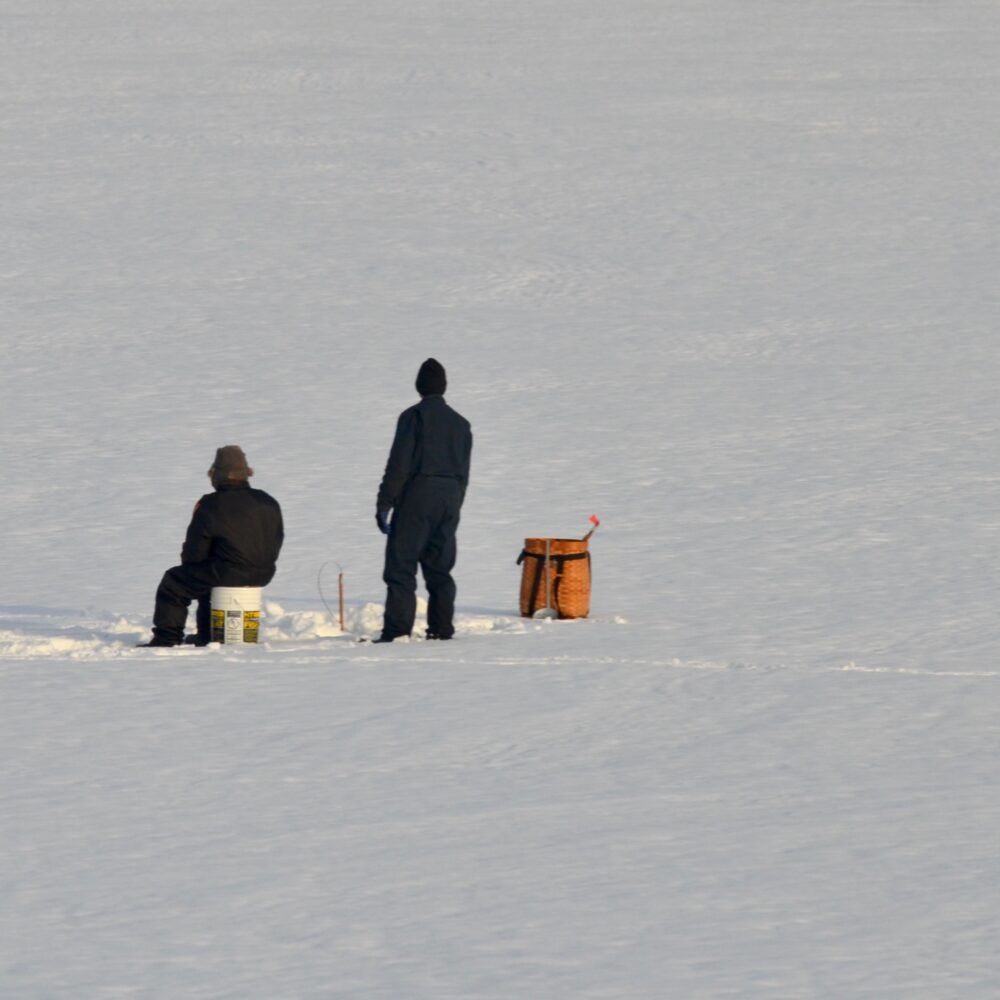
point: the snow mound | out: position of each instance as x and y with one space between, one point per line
20 646
279 625
65 635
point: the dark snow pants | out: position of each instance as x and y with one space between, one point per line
193 582
423 533
179 587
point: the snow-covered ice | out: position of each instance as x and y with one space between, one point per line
721 272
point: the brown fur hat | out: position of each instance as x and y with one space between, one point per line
230 463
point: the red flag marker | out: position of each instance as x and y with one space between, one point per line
596 524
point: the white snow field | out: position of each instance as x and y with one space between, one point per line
723 272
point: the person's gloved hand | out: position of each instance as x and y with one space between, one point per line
382 520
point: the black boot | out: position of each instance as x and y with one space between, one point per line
157 641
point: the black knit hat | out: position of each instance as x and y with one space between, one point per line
431 380
231 463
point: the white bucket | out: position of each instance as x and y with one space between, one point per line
235 614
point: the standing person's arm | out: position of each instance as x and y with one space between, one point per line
399 467
464 478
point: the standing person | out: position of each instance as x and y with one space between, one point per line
233 540
424 485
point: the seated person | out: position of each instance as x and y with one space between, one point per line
233 541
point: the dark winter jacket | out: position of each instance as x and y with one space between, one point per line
432 440
238 531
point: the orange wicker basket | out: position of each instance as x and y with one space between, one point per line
568 577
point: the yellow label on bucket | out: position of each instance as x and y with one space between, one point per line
218 625
234 626
251 625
